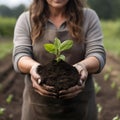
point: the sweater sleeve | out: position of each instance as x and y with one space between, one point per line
94 38
22 40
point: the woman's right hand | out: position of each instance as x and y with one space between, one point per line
43 89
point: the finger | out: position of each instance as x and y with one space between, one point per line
71 90
78 68
45 93
49 88
34 82
39 81
70 95
36 76
81 83
44 90
83 75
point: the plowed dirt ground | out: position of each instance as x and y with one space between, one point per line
13 83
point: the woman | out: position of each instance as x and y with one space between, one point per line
65 19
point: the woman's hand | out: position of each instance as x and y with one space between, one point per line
82 72
75 90
43 90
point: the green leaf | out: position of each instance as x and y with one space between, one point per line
61 57
50 48
67 44
57 42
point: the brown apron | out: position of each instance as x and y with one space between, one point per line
37 107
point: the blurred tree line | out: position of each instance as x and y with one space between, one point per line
106 9
5 11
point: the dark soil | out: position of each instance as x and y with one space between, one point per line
12 83
60 74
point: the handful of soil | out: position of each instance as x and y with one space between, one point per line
60 74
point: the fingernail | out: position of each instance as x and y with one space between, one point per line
81 81
39 81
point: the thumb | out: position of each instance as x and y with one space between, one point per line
84 75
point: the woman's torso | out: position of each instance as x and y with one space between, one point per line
43 108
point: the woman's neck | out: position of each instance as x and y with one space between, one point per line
57 16
55 12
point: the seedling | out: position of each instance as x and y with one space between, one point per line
106 76
97 87
116 117
57 48
2 110
99 107
113 85
9 98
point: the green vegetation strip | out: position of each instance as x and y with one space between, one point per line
111 31
7 26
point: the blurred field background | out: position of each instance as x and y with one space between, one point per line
108 12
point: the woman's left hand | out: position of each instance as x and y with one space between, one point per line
75 90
